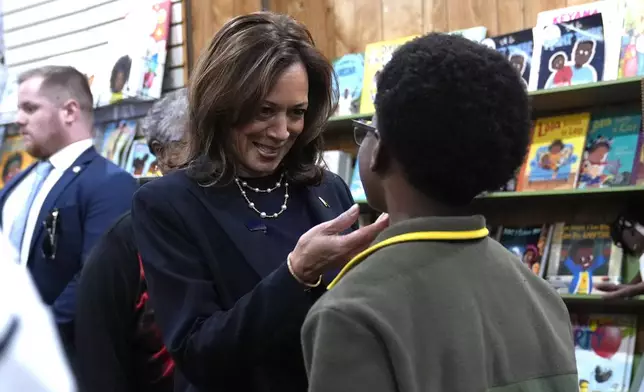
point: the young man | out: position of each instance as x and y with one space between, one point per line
119 345
53 213
435 304
628 233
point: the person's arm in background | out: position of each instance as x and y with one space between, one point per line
343 355
107 201
31 356
105 305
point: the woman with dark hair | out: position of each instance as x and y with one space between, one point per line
240 243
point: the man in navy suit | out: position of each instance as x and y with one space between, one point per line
52 213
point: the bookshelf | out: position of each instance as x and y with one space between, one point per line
570 205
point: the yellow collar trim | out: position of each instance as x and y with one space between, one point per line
408 237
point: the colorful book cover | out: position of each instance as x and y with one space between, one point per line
529 244
610 151
631 54
553 160
141 162
356 189
582 256
136 55
348 74
517 47
638 166
376 55
569 53
14 158
604 348
609 10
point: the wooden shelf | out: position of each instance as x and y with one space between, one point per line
565 193
597 304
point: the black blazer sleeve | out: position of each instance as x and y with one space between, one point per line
105 312
207 342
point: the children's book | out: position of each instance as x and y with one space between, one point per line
14 158
611 22
356 189
348 74
631 55
376 55
610 151
554 157
9 100
136 56
141 162
638 166
530 244
582 256
569 53
604 348
517 47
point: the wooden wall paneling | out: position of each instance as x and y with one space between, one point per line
463 14
511 16
435 16
532 7
368 24
208 16
401 18
318 17
344 28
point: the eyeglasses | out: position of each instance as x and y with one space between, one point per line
361 129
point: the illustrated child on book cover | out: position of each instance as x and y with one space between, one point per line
517 47
610 151
554 156
529 244
581 256
570 53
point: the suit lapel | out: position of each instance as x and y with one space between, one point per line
6 191
323 205
249 243
65 180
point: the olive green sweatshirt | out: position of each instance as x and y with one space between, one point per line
456 313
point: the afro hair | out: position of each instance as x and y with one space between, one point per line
455 115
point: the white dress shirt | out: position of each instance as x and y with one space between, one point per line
33 359
61 161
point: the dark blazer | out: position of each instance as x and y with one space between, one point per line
89 197
230 319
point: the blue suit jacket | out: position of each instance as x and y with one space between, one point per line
89 197
230 314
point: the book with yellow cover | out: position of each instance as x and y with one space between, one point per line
376 55
13 158
554 158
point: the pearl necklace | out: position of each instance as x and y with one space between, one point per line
242 185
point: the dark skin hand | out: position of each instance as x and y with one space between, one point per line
629 290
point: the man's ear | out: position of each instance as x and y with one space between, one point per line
71 111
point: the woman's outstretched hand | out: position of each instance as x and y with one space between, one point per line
322 248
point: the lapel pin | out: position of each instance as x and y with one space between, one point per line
324 203
76 169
